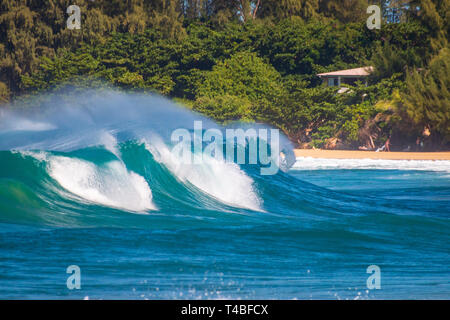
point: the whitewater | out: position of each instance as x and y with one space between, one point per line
89 179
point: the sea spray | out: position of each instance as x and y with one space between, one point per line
314 239
111 118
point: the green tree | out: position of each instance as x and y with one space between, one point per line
345 11
434 15
427 98
248 77
167 18
281 9
244 75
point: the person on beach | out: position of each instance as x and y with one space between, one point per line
387 144
419 144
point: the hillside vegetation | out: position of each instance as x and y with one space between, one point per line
247 60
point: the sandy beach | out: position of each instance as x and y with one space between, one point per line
351 154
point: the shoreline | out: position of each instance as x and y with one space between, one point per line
357 154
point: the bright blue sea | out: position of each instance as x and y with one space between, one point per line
141 226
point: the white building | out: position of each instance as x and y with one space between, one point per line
348 76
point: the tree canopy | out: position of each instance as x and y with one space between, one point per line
251 60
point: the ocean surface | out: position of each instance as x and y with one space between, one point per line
91 186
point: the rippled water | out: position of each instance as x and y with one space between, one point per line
141 225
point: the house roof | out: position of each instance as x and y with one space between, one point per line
356 72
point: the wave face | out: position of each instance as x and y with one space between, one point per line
92 182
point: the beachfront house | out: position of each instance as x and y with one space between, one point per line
349 76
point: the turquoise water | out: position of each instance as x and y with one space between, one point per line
141 226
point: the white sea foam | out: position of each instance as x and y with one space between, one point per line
38 155
224 181
110 184
110 142
308 163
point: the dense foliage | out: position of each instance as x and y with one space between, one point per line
247 60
